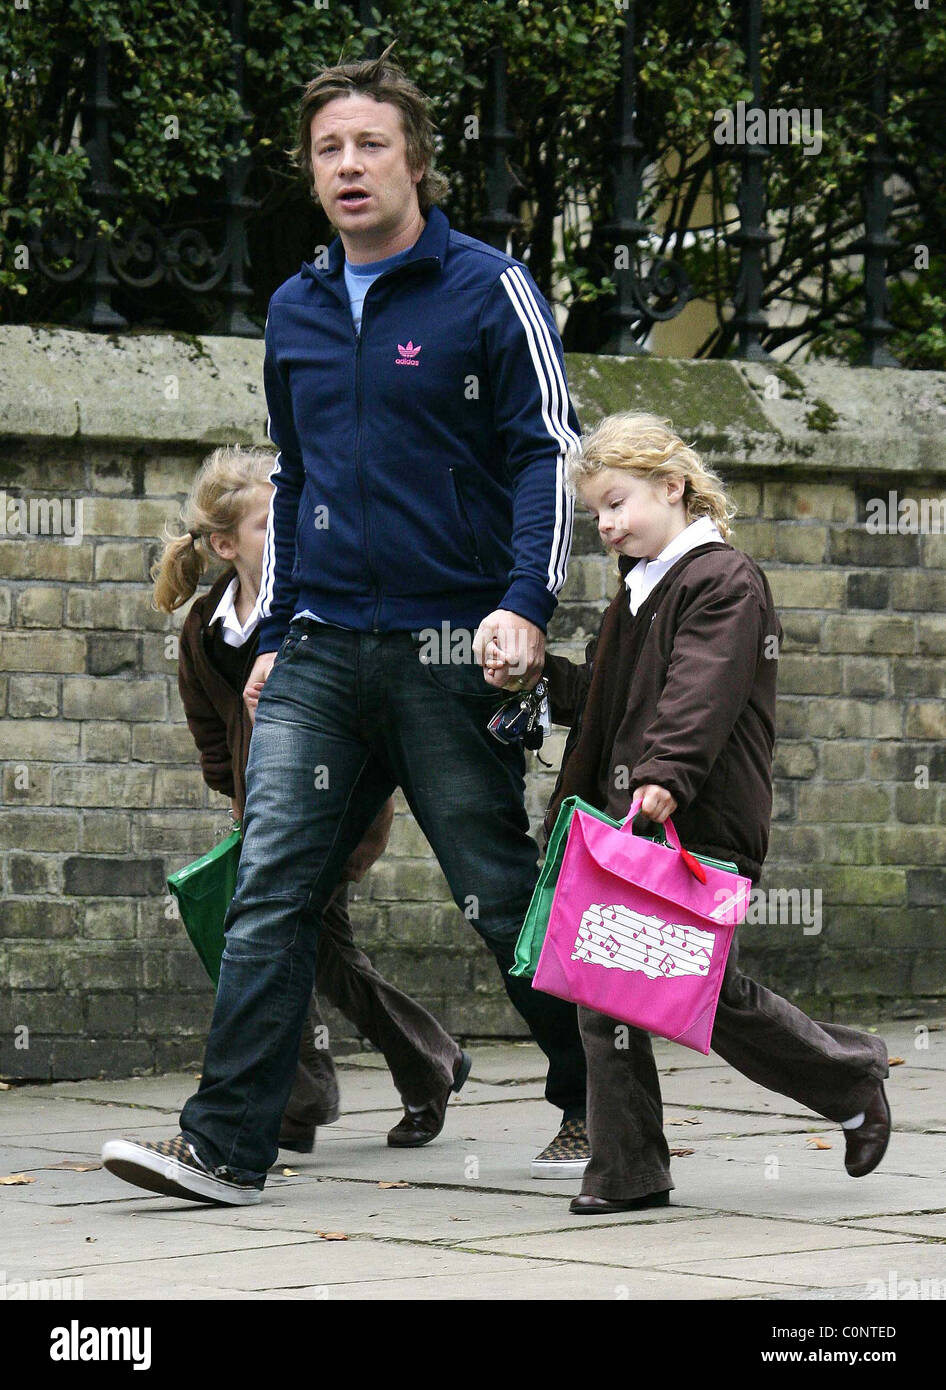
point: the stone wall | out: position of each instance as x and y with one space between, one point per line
101 794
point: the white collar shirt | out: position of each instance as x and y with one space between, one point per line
647 574
235 633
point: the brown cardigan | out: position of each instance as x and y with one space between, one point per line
216 714
682 695
221 725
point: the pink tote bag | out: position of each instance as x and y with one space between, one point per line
635 934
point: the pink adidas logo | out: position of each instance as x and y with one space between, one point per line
408 357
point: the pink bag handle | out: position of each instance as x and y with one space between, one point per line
673 839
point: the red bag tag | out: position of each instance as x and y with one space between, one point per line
694 865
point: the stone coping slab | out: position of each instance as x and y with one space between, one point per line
64 384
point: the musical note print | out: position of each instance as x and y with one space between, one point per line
619 938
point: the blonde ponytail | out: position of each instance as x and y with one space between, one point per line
218 501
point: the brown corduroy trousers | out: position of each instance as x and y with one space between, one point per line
831 1069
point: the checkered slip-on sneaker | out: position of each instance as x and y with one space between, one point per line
568 1154
172 1168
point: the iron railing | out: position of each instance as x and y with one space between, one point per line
649 288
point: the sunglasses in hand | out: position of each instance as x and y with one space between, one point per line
523 719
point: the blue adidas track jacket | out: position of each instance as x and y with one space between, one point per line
419 478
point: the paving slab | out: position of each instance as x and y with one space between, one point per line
429 1213
308 1263
693 1243
850 1267
91 1239
930 1223
909 1155
720 1088
558 1282
483 1164
472 1223
361 1086
20 1118
725 1187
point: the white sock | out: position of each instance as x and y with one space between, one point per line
855 1122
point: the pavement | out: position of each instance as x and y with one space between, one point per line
760 1211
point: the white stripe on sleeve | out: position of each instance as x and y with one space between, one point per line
554 396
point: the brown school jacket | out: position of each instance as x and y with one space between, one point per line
681 694
216 714
221 726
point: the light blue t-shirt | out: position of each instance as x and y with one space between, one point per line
358 280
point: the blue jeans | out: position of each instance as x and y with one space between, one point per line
343 719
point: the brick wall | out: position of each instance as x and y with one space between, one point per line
101 797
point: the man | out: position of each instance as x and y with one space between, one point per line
417 394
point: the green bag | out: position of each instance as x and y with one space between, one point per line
532 935
203 891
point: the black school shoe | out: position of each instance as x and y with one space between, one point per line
420 1126
865 1146
172 1168
600 1206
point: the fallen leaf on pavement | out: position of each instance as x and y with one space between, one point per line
684 1122
332 1235
73 1165
290 1172
15 1180
896 1061
681 1153
394 1184
817 1143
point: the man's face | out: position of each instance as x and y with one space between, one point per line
359 160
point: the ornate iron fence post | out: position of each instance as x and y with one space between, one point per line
497 222
749 320
666 280
96 289
875 243
233 320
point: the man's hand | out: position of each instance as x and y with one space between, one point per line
372 844
656 802
510 649
257 679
